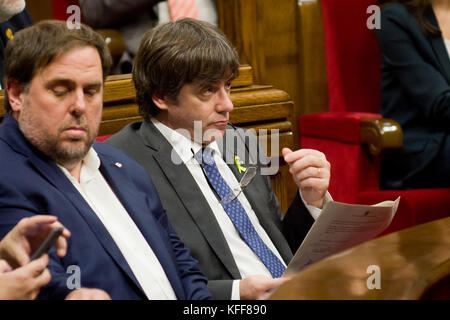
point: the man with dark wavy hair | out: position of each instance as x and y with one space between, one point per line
236 230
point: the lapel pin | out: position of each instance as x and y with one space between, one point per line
238 165
118 164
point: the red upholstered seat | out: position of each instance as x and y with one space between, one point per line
352 56
354 73
102 138
60 8
345 126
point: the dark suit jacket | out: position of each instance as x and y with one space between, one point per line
190 213
415 91
31 183
15 24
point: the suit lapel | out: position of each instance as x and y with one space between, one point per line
439 48
56 177
50 171
135 203
190 195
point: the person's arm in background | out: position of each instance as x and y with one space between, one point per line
26 237
26 280
24 283
418 77
110 13
15 248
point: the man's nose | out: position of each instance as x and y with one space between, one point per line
78 104
223 103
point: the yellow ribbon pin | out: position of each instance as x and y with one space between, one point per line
238 165
9 34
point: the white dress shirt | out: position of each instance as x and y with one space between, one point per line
127 236
246 260
206 11
447 44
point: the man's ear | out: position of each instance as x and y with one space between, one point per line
162 102
15 94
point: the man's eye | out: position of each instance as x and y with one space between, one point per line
91 92
59 92
208 91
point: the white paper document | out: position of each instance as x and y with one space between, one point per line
341 226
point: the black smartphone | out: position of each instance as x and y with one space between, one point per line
47 243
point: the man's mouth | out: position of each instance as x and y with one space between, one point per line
221 123
75 131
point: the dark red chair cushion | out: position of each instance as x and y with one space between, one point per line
102 138
60 9
416 206
339 126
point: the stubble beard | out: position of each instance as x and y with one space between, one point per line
53 147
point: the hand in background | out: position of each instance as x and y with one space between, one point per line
26 237
256 287
25 282
88 294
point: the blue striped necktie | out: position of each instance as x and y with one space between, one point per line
239 217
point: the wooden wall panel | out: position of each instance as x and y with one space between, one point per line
265 35
313 71
40 9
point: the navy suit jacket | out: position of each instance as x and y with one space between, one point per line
415 91
31 183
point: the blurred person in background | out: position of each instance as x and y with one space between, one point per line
414 40
134 17
13 17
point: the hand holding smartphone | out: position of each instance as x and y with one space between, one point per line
47 243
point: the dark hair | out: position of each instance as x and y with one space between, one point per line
177 53
418 8
35 47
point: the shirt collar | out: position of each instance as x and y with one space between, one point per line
181 144
89 166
